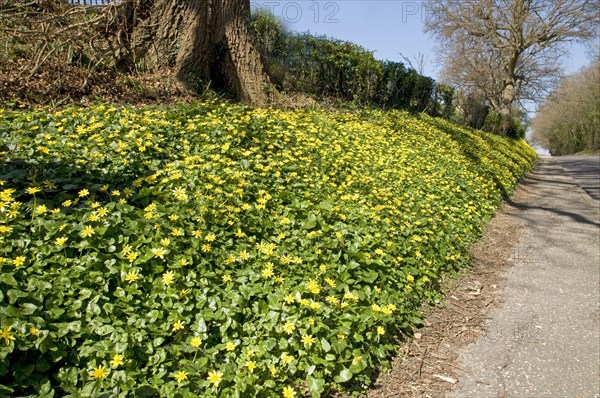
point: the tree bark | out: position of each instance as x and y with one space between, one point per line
206 41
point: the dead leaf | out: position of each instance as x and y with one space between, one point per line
446 378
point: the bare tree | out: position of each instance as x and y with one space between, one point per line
508 50
417 62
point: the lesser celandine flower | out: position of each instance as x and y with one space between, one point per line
116 360
308 340
99 372
168 277
181 376
131 276
7 335
288 392
87 231
19 261
214 378
178 325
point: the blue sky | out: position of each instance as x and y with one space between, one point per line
387 27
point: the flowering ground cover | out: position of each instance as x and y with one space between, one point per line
216 250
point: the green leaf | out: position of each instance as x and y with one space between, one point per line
9 279
28 308
344 376
325 345
316 386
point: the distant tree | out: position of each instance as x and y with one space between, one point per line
569 119
508 50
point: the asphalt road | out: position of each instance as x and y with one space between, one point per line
585 170
542 341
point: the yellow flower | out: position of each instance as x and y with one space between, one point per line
158 252
244 255
7 335
183 262
83 193
226 278
116 360
196 234
289 328
230 346
313 287
41 209
181 376
357 359
178 325
168 278
410 278
267 273
5 229
289 299
350 296
132 256
196 342
87 231
380 330
131 276
251 365
308 340
33 190
214 378
165 242
285 358
99 372
288 392
67 203
210 237
18 261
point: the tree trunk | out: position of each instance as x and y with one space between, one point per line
508 97
206 41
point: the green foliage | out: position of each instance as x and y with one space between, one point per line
217 250
511 127
326 67
569 120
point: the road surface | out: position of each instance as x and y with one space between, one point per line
542 341
585 170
